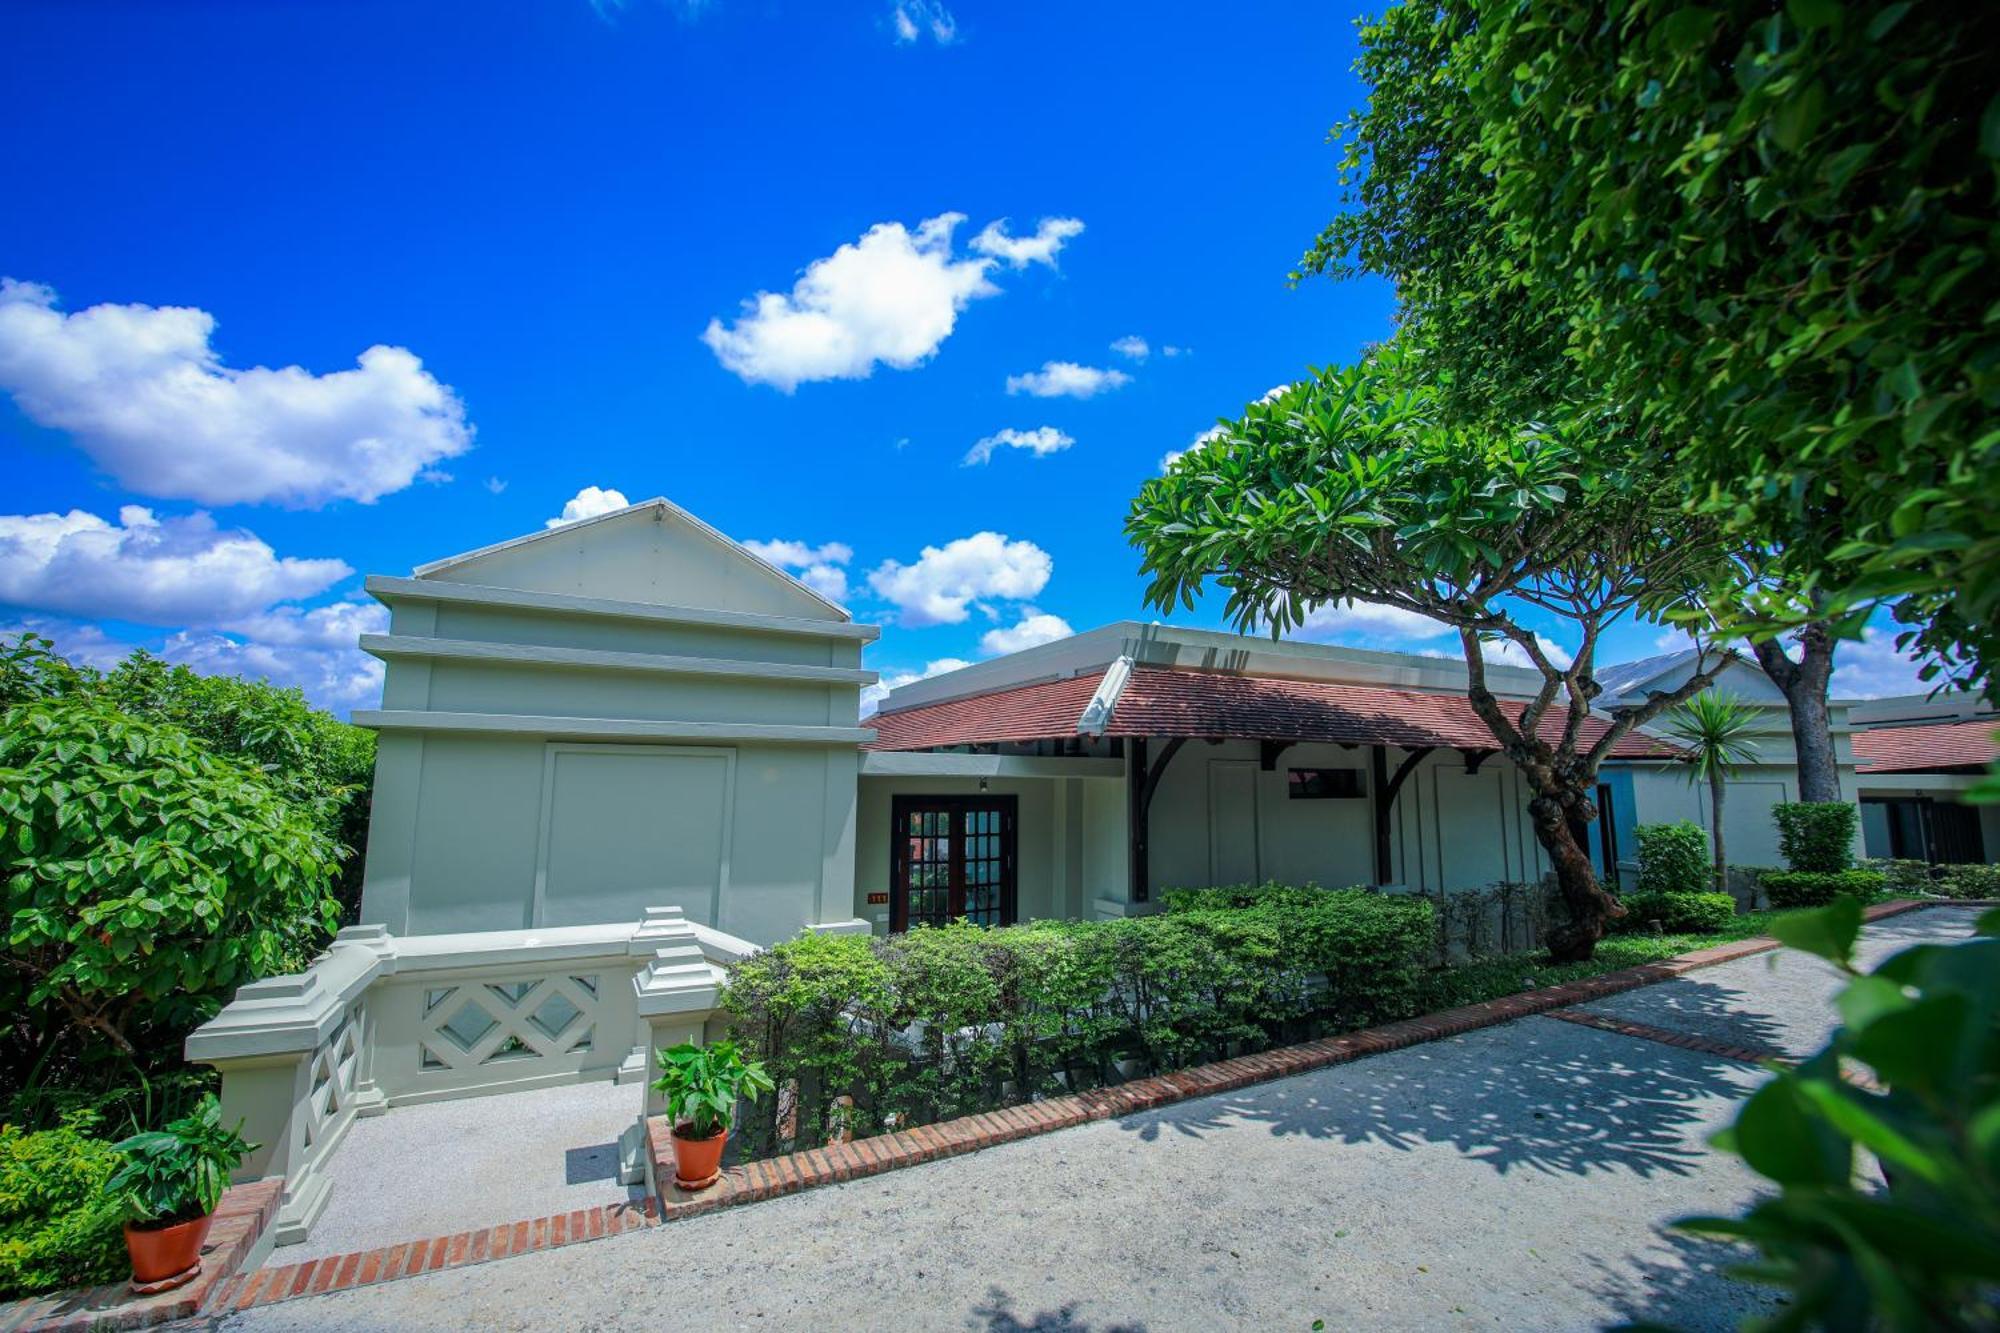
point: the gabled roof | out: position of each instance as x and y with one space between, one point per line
658 504
1940 745
1623 677
1158 702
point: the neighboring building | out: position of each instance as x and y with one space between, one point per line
1918 757
635 710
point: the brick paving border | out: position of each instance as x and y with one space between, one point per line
858 1158
1686 1041
240 1221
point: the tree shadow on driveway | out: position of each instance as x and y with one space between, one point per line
1536 1094
999 1316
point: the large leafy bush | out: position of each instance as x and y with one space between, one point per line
58 1228
144 878
1673 858
1678 913
944 1021
1817 836
1816 888
1920 1249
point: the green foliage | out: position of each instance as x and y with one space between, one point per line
144 878
945 1021
1226 896
57 1227
1817 835
1903 877
1673 858
702 1085
1356 484
1717 730
1920 1251
1968 881
177 1173
1678 913
1817 888
1764 232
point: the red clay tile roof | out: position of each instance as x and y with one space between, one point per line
1158 702
1937 745
1025 713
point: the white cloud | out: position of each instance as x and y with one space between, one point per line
1871 668
1032 629
1051 235
143 393
892 297
78 640
915 19
1365 623
872 695
1509 653
155 571
1173 456
1041 441
1067 379
336 678
1171 350
335 625
945 580
818 567
589 503
1133 347
496 484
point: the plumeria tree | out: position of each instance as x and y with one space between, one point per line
1351 486
1764 231
1716 730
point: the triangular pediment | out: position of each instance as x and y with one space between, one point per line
653 552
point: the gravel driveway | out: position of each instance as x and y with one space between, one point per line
1517 1177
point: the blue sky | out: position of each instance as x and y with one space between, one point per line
918 294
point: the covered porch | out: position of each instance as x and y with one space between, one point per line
1109 787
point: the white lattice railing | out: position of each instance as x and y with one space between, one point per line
379 1021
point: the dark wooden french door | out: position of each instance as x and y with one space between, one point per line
951 857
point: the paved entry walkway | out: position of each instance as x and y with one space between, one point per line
1516 1177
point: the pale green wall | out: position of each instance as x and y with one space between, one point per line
512 831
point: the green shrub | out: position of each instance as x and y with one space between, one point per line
1808 888
1817 836
177 1172
144 878
1678 913
1674 858
1903 877
58 1228
1228 896
1968 881
945 1021
1915 1244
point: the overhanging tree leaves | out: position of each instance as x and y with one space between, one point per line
1766 231
1349 486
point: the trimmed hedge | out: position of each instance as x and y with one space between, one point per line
57 1229
1811 888
1970 880
1677 913
944 1021
1817 836
1674 858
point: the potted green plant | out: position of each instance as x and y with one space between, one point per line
701 1084
168 1185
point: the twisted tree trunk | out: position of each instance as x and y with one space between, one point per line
1804 684
1591 909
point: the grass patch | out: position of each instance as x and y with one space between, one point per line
1492 978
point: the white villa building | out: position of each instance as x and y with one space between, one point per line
618 754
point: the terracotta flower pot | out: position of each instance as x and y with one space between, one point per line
697 1162
164 1257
